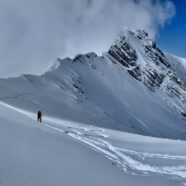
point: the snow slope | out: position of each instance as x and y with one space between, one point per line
58 152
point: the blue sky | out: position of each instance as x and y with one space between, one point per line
172 38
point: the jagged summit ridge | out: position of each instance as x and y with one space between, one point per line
130 45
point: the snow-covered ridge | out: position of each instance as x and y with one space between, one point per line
132 88
80 58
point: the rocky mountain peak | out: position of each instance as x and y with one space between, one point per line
148 64
140 55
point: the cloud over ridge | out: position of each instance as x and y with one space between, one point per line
35 32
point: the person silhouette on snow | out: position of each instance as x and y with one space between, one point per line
39 116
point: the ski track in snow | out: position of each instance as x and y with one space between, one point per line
128 160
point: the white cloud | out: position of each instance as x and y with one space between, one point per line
35 32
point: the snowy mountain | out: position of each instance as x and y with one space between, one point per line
92 107
134 87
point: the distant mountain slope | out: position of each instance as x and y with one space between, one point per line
133 87
178 65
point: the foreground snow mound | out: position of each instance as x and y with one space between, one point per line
60 152
133 87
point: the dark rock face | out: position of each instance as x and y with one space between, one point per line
152 79
83 58
124 54
156 55
136 73
86 59
79 58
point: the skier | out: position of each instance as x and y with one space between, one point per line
39 116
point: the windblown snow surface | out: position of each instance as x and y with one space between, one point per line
101 126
